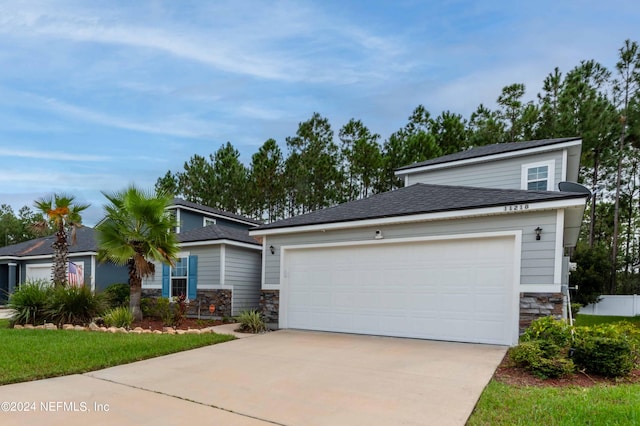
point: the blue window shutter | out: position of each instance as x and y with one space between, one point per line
192 282
166 276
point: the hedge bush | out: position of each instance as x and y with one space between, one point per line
117 295
608 349
542 358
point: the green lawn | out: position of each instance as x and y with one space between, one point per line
502 404
585 320
38 354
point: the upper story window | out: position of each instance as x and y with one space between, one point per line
538 176
208 221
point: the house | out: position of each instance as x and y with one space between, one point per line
472 249
219 263
218 266
32 260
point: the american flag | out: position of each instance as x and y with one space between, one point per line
76 274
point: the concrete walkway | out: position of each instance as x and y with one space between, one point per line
285 377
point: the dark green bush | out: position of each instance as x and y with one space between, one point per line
117 295
148 307
74 305
607 356
30 302
542 358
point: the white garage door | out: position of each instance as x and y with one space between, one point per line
457 290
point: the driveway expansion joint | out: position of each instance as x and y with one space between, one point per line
187 399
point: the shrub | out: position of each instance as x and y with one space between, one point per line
575 309
148 307
164 311
251 322
548 329
117 295
118 317
74 305
605 349
29 302
542 358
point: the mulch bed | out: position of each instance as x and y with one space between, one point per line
187 323
509 374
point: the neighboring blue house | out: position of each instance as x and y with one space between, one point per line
472 249
219 264
32 260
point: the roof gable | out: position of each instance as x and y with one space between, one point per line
212 212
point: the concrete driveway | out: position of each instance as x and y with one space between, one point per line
286 377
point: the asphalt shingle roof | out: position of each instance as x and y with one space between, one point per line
420 198
85 242
217 232
483 151
184 203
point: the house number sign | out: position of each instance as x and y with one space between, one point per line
516 207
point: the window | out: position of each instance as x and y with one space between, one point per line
181 278
538 177
179 274
208 221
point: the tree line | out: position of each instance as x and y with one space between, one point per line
321 168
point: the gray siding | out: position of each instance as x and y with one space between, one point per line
208 265
537 261
501 174
242 271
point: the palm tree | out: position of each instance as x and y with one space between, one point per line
64 216
136 232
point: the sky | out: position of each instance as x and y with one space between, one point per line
98 95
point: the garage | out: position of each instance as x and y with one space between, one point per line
455 289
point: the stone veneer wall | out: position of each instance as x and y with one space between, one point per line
537 305
221 299
270 305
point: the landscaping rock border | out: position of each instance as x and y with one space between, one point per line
95 327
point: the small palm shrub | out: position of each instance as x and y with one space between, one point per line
29 302
118 317
117 295
251 322
74 305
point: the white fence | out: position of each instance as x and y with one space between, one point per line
620 306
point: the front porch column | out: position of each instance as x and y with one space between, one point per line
12 276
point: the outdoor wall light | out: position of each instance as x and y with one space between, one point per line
272 249
538 231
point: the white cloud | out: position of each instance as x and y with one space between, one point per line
48 155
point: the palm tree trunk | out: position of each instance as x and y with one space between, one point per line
60 257
135 292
